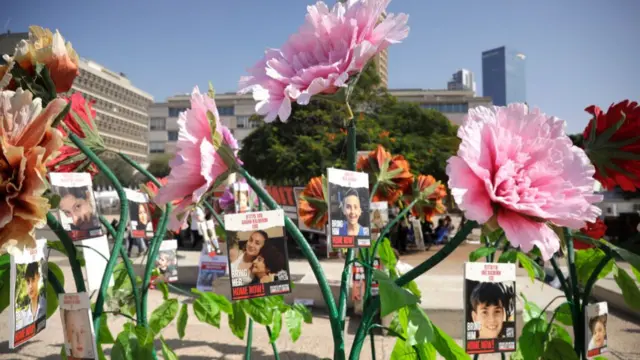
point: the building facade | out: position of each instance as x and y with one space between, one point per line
8 42
462 80
454 104
121 109
503 75
381 62
234 110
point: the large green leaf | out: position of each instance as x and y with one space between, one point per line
626 255
446 346
401 351
531 310
630 291
5 289
558 349
509 256
305 312
563 314
223 303
481 252
238 320
167 353
586 262
259 310
163 315
419 328
293 320
52 296
634 270
531 341
392 296
132 343
183 316
276 326
534 270
207 311
387 256
105 336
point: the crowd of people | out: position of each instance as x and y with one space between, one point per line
408 230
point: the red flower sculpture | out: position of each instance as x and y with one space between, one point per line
313 204
594 230
392 174
431 196
614 144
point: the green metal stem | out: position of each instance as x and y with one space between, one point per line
129 268
373 344
247 350
66 241
124 211
55 283
371 308
575 293
293 230
561 278
276 355
213 213
373 191
594 277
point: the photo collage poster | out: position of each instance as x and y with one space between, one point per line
77 210
77 325
257 250
490 307
140 224
358 280
167 262
28 294
241 197
297 192
596 329
210 268
379 215
95 253
348 208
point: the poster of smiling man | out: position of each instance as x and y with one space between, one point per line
348 208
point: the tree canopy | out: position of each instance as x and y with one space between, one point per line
314 137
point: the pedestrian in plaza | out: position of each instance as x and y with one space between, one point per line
197 216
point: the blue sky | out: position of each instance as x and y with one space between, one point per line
579 52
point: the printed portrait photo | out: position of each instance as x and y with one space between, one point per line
78 334
379 218
78 212
596 329
241 197
167 264
349 208
140 219
30 295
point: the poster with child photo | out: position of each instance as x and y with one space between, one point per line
258 261
77 210
141 226
348 208
596 329
358 284
379 213
490 308
210 268
241 197
77 325
28 294
167 262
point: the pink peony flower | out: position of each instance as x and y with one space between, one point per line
331 46
200 157
520 168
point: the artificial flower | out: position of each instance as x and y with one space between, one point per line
614 144
80 121
312 205
27 141
430 196
595 230
520 170
390 172
205 152
332 46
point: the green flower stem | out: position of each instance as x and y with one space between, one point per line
373 191
575 293
141 169
66 241
247 350
373 344
561 278
124 212
594 277
55 283
128 266
293 230
214 213
276 355
373 306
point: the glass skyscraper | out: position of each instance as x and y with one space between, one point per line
503 76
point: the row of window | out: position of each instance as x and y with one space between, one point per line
124 145
222 111
243 122
115 108
447 108
121 128
112 90
136 158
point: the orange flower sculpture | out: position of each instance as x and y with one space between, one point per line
313 202
390 172
46 48
27 142
430 194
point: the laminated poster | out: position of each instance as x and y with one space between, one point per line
211 268
348 208
241 197
596 329
358 284
140 222
79 338
77 210
490 308
379 214
167 262
258 261
28 294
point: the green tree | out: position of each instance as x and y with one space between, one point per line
159 165
122 171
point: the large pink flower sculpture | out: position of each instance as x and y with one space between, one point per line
520 169
205 151
331 46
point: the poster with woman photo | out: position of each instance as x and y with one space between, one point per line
140 222
596 329
77 210
210 268
490 308
379 213
241 197
258 261
348 208
77 325
28 294
167 262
